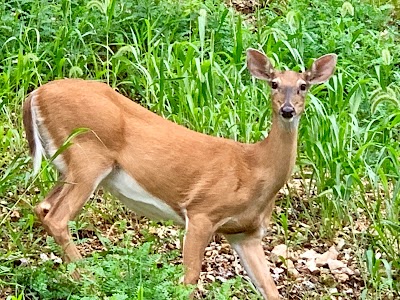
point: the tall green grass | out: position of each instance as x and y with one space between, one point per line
185 61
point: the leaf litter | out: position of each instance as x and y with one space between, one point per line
302 270
307 270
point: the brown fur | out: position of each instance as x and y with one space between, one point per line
222 185
151 149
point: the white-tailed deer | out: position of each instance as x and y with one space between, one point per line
165 171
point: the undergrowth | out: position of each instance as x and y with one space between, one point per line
185 61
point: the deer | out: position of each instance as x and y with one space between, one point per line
165 171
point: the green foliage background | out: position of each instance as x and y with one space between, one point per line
185 61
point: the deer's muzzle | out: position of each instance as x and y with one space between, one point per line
287 111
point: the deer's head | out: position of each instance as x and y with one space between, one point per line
289 88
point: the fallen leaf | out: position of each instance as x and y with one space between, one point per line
210 277
277 270
348 271
44 257
341 277
15 216
55 258
291 269
333 290
335 264
311 265
309 285
322 260
339 243
310 254
278 252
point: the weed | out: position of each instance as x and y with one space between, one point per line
185 61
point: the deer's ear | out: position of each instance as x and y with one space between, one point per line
322 69
259 65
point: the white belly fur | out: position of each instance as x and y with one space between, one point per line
128 190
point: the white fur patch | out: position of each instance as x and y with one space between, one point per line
128 190
39 150
43 141
300 82
289 124
184 211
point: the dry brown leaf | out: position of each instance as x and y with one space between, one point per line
333 290
44 257
309 285
279 251
311 265
339 243
210 277
322 259
278 270
341 277
310 254
15 216
335 264
291 269
348 271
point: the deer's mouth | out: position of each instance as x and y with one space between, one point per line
290 123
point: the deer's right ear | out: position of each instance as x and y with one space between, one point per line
259 65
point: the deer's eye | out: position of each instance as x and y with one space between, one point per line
303 86
274 85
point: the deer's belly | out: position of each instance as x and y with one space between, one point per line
128 190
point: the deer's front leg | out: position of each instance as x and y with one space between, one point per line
252 257
199 231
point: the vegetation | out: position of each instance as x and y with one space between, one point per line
185 60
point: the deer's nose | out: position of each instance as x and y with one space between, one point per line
287 111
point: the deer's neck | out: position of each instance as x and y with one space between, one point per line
278 151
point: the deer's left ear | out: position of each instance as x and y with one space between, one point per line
322 69
259 65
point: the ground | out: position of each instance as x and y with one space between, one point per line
303 265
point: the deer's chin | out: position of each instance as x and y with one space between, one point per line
288 120
290 124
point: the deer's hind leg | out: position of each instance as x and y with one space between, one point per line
66 200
